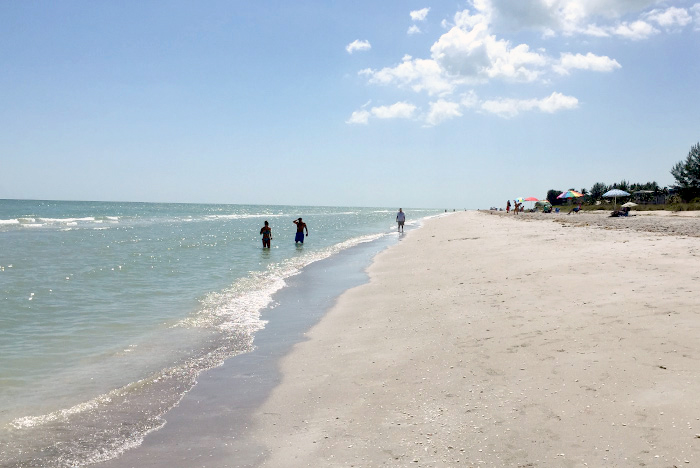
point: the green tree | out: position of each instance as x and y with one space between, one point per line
687 174
622 185
552 197
597 191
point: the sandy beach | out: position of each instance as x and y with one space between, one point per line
485 340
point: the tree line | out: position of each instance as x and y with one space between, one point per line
686 173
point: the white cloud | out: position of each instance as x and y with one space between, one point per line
636 31
695 11
469 51
600 18
358 45
442 110
420 15
360 117
474 50
671 18
413 30
469 100
589 61
556 102
512 107
416 74
399 110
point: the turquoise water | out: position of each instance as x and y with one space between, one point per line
108 311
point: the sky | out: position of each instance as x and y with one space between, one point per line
424 104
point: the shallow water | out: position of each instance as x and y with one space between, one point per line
108 311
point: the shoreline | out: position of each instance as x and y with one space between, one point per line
483 341
208 423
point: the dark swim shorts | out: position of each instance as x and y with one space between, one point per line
299 237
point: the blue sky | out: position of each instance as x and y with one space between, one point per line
394 103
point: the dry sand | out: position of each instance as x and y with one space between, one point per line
681 223
488 341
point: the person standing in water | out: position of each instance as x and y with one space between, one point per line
400 219
301 226
266 233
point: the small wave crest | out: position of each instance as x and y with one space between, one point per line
243 216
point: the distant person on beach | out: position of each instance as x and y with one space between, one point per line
575 209
301 226
517 207
266 233
400 219
508 207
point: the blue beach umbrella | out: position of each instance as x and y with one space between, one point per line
615 193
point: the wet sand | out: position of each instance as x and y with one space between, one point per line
485 340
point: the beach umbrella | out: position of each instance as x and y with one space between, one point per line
570 194
531 199
614 193
629 204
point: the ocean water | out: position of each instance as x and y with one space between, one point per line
109 311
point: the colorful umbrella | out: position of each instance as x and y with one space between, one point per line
570 194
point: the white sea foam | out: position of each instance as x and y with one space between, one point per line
243 216
238 308
32 421
9 221
64 220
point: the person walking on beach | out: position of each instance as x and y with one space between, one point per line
508 207
266 233
400 219
301 226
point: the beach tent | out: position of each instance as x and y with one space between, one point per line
544 205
